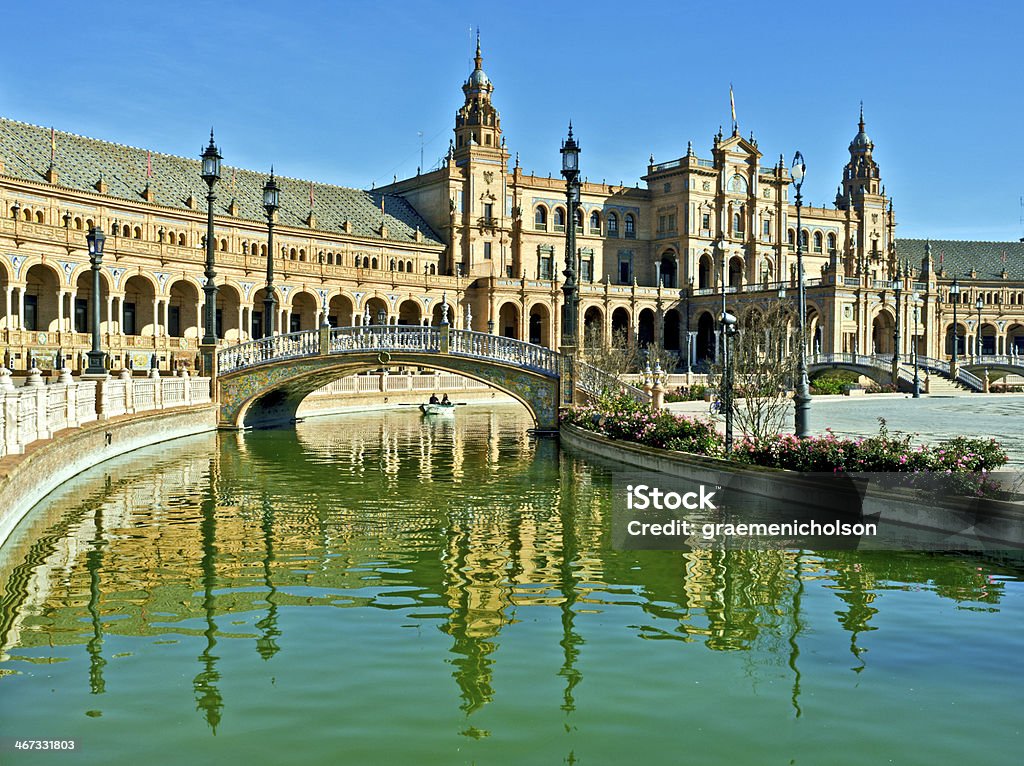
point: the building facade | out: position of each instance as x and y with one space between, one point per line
657 261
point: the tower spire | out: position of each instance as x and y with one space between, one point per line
479 60
861 115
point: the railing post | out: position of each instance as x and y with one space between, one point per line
325 339
567 379
445 338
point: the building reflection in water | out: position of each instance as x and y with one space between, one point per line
472 514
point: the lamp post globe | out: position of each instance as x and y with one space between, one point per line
211 158
271 202
95 240
802 396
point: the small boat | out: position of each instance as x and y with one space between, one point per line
438 409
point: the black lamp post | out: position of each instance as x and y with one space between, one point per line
729 330
978 304
95 240
916 298
571 171
211 174
897 288
954 298
271 198
802 397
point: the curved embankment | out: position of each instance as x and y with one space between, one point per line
927 518
27 478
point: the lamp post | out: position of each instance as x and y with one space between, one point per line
271 199
978 304
729 330
802 397
897 288
916 299
210 173
954 298
95 240
571 171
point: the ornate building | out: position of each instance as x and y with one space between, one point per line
656 262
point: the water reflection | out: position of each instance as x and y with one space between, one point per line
403 531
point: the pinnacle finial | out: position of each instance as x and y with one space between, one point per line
570 128
211 135
479 58
862 115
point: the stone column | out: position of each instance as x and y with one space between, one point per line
60 310
21 308
156 317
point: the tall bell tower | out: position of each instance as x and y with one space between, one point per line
477 123
870 213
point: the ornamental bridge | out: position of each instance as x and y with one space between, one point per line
262 383
971 373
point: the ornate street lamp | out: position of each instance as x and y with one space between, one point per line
271 199
95 240
802 397
897 288
571 171
211 174
730 329
978 304
954 298
916 300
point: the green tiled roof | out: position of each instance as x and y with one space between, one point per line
80 161
957 258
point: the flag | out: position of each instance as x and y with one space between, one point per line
732 104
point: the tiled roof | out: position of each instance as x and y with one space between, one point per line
957 258
79 163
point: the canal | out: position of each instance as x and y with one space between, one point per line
383 589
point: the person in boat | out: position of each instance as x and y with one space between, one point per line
445 400
434 399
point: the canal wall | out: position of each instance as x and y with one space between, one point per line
27 478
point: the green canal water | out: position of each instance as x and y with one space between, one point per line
379 589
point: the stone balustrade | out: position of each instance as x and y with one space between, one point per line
37 410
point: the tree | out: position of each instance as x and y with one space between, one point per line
624 357
764 363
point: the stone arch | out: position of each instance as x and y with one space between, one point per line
1014 340
593 327
341 311
540 325
673 332
645 327
379 310
138 306
987 340
669 276
961 339
883 328
183 318
735 271
508 319
410 312
81 311
303 311
41 290
437 313
621 324
705 351
705 272
228 308
270 394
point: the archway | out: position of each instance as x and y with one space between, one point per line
508 320
378 310
668 269
987 337
302 313
409 312
438 311
621 336
540 325
6 299
340 311
1015 340
645 328
183 319
228 313
704 272
883 330
705 337
137 308
42 285
593 328
961 340
735 271
673 331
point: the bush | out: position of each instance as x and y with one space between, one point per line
831 384
694 393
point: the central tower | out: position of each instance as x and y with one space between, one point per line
477 123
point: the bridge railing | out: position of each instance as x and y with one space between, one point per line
862 360
274 348
384 338
969 379
595 381
483 345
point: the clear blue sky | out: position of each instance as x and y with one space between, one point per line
339 91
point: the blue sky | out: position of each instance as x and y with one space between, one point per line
340 91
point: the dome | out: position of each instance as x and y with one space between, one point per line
861 140
478 77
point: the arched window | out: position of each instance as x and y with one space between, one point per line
373 263
595 223
39 216
28 215
292 254
831 242
559 218
738 184
540 218
630 225
181 240
89 223
408 267
433 269
803 239
579 221
817 241
791 237
613 225
137 232
737 223
78 223
126 231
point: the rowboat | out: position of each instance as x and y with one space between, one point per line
438 409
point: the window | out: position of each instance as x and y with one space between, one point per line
579 221
587 269
489 211
661 223
624 273
544 267
817 242
129 319
540 218
766 229
671 221
174 322
31 312
737 224
803 240
630 226
831 243
791 238
613 225
738 184
705 222
559 219
81 315
487 251
595 223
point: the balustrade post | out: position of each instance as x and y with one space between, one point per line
567 378
71 404
129 392
9 401
42 427
445 338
